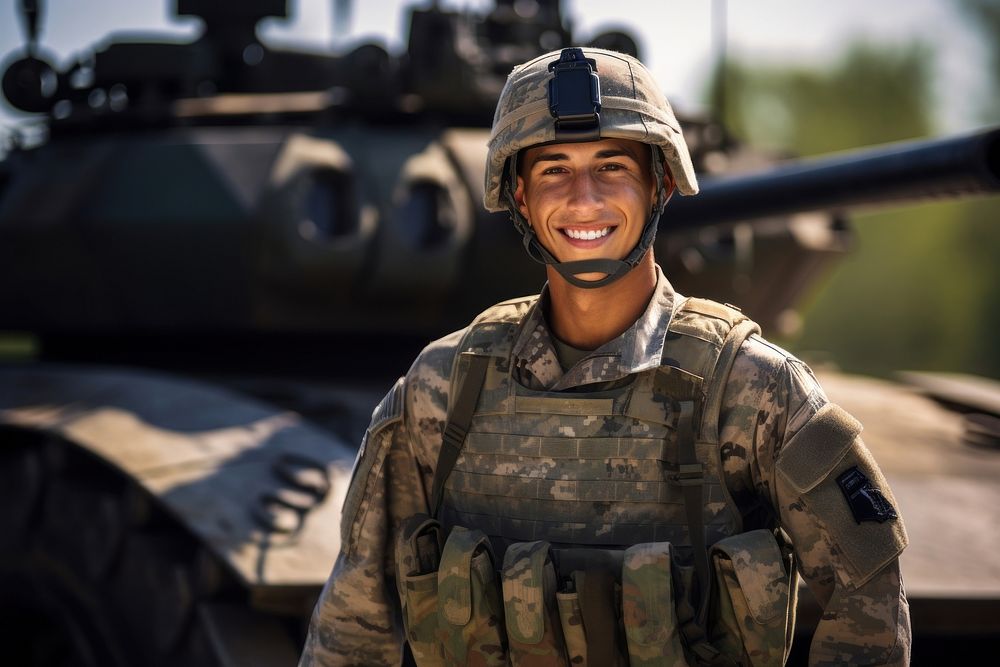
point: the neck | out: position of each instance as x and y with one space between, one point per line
588 318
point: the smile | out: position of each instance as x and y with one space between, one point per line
586 234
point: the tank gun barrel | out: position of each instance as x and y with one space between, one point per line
896 173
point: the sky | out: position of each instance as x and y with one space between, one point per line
676 37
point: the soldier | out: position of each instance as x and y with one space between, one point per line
608 473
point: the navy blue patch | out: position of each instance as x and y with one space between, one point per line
867 502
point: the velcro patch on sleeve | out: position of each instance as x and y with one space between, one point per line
830 471
818 446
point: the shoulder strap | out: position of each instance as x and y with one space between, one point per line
489 336
714 332
457 426
720 377
733 328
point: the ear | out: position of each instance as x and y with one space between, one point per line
668 182
519 199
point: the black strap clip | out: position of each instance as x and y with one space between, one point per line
688 474
575 96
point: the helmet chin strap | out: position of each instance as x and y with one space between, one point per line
614 269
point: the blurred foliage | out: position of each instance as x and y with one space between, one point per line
922 288
984 15
871 96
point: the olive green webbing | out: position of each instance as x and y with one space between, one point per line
457 427
691 477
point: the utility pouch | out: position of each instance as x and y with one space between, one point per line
751 619
470 614
596 581
418 551
571 619
651 627
529 598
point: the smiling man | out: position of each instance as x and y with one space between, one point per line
588 201
609 473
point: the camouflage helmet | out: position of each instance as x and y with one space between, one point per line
631 106
577 95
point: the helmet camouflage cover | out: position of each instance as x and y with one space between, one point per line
631 106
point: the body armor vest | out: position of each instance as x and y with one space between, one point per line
607 509
595 469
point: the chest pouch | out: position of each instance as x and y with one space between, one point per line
753 612
470 614
529 599
651 626
418 554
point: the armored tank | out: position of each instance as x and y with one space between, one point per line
224 253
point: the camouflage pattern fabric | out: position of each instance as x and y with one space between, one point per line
648 607
582 469
470 617
418 555
769 398
750 624
574 635
529 594
632 107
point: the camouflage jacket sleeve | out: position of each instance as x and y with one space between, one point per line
790 454
355 621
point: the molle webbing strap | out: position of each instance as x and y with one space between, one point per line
597 606
457 426
691 477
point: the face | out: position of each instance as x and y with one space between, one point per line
587 200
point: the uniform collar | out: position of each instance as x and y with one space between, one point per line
638 348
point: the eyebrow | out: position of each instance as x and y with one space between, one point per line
606 153
549 157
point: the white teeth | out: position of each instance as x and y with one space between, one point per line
588 234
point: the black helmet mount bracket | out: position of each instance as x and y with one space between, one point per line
575 96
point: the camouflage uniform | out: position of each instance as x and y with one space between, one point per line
769 398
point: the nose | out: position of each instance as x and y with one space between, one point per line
584 197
